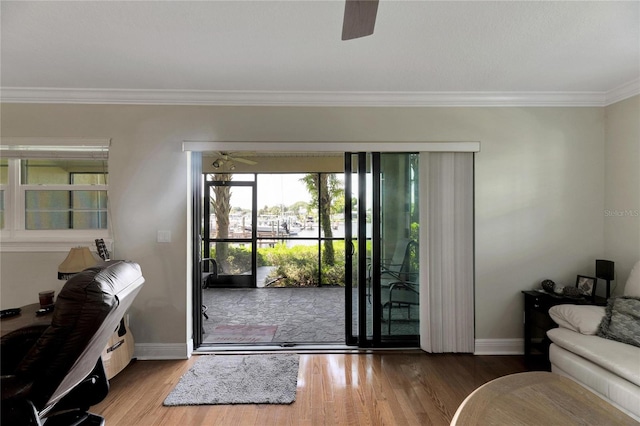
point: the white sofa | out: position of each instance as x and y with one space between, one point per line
607 367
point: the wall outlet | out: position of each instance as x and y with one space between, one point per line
164 236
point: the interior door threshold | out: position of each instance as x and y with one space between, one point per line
297 348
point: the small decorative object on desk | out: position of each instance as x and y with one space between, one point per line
548 286
11 312
46 298
586 285
572 292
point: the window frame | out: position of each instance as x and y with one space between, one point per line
14 236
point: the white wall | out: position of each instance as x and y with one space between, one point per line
539 192
622 188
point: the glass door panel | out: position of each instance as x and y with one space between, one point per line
383 233
358 237
366 217
399 269
352 282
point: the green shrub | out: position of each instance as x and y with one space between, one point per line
239 259
296 266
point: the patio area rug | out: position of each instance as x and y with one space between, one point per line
238 379
241 334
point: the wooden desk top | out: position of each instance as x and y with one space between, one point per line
26 318
537 398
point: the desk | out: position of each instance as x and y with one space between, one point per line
537 398
116 355
26 318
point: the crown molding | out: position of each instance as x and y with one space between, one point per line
311 98
623 92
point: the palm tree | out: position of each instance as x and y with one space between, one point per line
221 204
324 189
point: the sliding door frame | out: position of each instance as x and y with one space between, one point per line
196 246
297 146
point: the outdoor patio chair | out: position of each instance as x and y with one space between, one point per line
209 270
402 294
398 268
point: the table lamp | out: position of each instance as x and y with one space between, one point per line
78 259
605 271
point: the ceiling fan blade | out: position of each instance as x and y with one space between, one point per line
243 160
359 18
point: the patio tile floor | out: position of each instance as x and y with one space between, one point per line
303 315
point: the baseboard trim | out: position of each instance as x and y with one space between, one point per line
158 351
499 347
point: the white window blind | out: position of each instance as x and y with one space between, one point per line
446 293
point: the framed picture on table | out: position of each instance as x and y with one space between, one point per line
586 285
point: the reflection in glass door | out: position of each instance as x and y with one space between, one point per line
383 264
228 235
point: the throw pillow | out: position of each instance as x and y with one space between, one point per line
583 319
632 286
622 320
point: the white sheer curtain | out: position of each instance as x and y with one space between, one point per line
447 264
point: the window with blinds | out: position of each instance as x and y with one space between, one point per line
53 191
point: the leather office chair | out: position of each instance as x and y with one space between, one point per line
51 375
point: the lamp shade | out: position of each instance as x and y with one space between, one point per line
78 259
604 269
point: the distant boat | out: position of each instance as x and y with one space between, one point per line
280 229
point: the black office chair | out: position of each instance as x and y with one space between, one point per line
51 375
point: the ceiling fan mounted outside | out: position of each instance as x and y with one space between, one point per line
359 18
228 160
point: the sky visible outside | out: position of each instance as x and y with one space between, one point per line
273 190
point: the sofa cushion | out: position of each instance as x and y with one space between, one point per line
617 357
583 319
622 320
620 392
632 287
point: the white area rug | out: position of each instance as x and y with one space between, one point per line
238 379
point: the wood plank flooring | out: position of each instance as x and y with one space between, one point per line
383 388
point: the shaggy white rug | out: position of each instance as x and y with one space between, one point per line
238 379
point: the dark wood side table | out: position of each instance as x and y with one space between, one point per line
537 322
116 356
26 318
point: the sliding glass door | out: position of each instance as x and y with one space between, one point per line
382 266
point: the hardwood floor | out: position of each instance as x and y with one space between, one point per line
333 389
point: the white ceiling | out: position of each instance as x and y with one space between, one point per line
279 52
